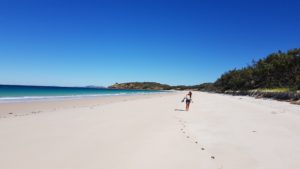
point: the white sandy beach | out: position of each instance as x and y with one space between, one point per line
147 132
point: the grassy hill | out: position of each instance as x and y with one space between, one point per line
141 85
152 86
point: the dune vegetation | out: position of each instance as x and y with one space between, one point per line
277 72
275 76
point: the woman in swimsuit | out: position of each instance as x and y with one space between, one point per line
188 100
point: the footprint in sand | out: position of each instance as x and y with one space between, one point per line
282 111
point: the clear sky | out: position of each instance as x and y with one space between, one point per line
78 43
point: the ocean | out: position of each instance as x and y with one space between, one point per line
12 93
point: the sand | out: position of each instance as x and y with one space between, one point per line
147 132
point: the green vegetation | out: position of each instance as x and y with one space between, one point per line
151 86
272 90
183 87
277 71
276 76
141 85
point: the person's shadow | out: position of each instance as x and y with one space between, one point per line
179 110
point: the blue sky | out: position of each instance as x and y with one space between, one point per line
78 43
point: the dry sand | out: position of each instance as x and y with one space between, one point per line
151 132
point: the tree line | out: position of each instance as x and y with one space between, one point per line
277 70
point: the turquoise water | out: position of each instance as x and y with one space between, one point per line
13 92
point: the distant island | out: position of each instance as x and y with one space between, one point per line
154 86
140 85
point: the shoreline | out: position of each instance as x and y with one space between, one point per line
67 97
20 93
29 107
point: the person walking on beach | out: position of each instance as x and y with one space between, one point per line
188 100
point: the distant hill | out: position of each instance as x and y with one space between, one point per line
140 85
153 86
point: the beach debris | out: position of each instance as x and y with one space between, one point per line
196 142
254 131
202 148
187 136
10 113
212 157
